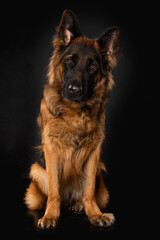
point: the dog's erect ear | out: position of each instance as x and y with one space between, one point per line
109 46
68 28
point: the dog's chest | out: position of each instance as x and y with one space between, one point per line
77 129
72 131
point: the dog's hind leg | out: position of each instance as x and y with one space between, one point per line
34 198
37 191
102 194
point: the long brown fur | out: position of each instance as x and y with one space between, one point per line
72 134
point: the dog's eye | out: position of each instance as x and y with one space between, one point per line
92 67
69 60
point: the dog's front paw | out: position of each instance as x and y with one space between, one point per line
47 222
103 220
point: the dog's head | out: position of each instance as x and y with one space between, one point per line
84 62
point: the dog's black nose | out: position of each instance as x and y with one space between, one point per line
74 89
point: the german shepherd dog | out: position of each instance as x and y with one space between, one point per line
72 125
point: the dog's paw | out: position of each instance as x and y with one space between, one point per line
47 222
77 208
103 220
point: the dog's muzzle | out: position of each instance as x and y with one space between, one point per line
74 89
74 92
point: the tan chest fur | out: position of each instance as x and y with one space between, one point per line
73 136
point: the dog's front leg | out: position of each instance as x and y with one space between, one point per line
92 210
53 202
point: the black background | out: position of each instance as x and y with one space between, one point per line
26 35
